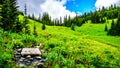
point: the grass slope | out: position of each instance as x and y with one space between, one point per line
87 46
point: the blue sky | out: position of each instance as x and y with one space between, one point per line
61 8
81 5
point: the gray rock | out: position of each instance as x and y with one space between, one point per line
31 59
17 59
25 60
22 65
17 53
28 56
38 57
43 60
21 60
17 56
30 51
19 50
28 61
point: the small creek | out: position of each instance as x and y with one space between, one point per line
36 61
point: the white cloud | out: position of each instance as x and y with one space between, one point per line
55 8
106 3
32 6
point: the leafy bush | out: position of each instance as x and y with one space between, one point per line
18 44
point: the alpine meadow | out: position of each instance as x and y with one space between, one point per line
87 40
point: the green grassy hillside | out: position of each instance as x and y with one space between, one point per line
87 46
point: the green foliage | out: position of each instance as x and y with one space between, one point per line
34 31
88 46
43 27
106 28
6 46
9 14
95 18
0 15
78 21
115 28
18 44
46 19
73 27
18 27
27 29
26 25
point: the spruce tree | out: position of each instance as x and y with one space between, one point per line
112 29
18 26
60 21
73 27
106 28
112 25
46 19
9 14
26 26
118 25
33 17
39 18
0 15
43 27
35 32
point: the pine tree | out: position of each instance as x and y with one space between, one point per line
46 19
33 17
9 14
27 29
118 25
43 27
106 28
18 26
112 29
39 18
65 21
73 27
35 32
112 25
60 21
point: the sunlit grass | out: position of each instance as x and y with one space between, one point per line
87 46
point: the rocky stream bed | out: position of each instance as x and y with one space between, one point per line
29 59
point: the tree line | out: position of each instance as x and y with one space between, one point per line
67 21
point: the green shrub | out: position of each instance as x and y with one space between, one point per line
6 55
73 27
43 27
18 44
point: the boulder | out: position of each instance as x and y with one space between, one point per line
30 51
